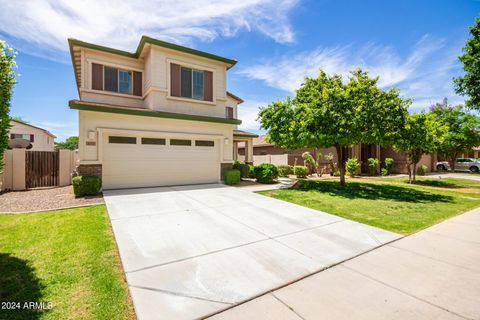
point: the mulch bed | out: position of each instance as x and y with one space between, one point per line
44 199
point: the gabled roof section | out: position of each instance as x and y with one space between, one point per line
75 46
240 100
29 125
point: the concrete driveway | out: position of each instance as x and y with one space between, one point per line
190 251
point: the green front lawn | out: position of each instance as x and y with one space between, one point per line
389 203
66 257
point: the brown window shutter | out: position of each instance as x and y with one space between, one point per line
12 135
208 85
32 138
97 76
137 83
229 112
174 80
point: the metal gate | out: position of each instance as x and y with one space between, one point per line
41 169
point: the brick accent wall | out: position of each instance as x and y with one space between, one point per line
223 167
90 170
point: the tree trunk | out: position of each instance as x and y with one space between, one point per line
341 163
452 162
409 169
414 172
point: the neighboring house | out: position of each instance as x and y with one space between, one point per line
158 116
362 152
40 139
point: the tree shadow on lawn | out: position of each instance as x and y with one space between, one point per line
438 183
18 284
358 190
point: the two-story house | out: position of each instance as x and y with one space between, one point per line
40 139
161 115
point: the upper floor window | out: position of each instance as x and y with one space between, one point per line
116 80
191 83
26 136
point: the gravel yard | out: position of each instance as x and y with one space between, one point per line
43 199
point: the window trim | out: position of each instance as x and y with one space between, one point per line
117 136
180 145
192 71
153 144
200 67
118 80
207 145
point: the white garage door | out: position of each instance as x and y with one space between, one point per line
146 161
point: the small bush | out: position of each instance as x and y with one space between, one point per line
244 170
351 166
86 185
389 162
332 166
266 173
384 172
422 170
300 171
231 176
251 172
372 165
283 170
236 164
243 167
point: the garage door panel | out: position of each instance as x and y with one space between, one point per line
138 165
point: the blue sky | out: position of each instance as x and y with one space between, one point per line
410 44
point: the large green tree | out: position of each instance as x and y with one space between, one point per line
462 130
469 84
327 112
7 81
421 135
71 143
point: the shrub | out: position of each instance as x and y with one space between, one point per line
333 168
283 170
266 173
300 171
422 170
231 176
244 170
389 162
309 161
251 172
236 164
384 172
86 185
243 167
352 166
372 165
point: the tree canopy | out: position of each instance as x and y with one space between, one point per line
469 84
462 130
421 135
7 82
71 143
327 112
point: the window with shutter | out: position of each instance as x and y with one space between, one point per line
229 112
97 76
191 83
111 79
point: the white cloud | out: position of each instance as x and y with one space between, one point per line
248 112
424 74
44 25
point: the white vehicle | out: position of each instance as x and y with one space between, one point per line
461 164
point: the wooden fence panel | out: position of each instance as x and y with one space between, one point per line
41 169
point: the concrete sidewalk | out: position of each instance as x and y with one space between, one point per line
433 274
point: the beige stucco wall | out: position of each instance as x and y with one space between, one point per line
42 140
98 122
155 67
